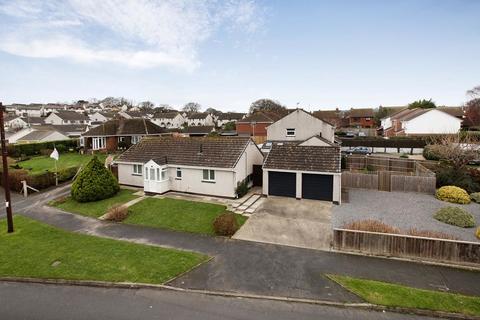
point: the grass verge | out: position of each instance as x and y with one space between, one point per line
394 295
95 208
179 215
41 251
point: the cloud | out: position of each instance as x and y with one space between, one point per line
136 33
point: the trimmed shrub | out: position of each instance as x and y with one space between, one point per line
94 182
31 149
61 147
477 233
453 194
116 213
455 216
67 173
225 224
242 188
432 152
371 226
475 197
431 234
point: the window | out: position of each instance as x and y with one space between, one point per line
136 139
137 169
152 174
158 174
121 139
291 132
208 175
179 173
164 174
146 173
98 143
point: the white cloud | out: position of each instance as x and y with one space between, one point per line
137 33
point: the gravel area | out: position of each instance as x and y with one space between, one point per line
402 210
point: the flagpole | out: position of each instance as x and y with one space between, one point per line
56 170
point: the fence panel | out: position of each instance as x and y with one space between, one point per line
420 184
406 246
359 180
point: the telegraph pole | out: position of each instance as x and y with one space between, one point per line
6 183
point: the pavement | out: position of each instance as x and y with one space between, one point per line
287 221
37 301
403 210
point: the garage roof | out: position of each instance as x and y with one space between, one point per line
303 158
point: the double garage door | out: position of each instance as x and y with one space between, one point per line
314 186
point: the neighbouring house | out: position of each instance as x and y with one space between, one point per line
224 118
14 123
66 117
169 120
119 134
29 110
101 116
35 121
411 122
200 119
457 112
303 172
300 125
211 166
53 107
133 115
256 124
363 118
37 135
335 117
198 131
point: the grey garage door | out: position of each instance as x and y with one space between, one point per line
282 184
317 186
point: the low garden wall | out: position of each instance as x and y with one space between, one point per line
405 246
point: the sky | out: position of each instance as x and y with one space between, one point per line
226 54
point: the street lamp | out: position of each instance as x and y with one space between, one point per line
6 183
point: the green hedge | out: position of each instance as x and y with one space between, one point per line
32 149
384 143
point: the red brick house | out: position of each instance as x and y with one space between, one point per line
119 134
255 125
363 118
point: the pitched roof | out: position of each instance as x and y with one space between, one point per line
34 120
303 158
36 135
120 127
328 114
198 115
361 113
198 129
260 116
165 115
219 152
453 111
231 116
71 115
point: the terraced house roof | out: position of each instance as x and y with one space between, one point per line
303 158
216 152
122 127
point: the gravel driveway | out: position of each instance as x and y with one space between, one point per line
402 210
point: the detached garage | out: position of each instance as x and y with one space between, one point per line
303 172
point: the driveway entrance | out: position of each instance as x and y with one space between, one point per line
286 221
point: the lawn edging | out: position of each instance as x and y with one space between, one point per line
133 285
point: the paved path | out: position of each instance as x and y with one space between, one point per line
36 301
249 267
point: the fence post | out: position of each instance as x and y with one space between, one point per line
24 187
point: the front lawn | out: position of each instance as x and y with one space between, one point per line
95 208
180 215
41 164
394 295
41 251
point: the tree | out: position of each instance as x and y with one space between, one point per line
456 150
162 108
472 108
94 182
229 126
268 105
192 107
146 105
422 104
475 92
380 113
213 111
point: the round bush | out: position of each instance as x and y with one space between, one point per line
477 233
433 152
94 182
453 194
225 224
455 216
475 197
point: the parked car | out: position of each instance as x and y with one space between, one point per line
362 134
359 150
350 134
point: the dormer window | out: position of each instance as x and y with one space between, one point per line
290 132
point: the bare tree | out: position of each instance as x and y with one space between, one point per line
192 107
475 92
456 150
268 105
146 105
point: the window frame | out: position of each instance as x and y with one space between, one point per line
210 173
288 132
137 171
177 176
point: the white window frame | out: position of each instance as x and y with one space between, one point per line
121 139
152 174
290 132
99 143
210 175
163 174
137 170
136 139
179 174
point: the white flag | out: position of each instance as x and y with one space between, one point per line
54 154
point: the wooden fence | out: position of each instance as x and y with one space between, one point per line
387 181
404 246
359 180
419 184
